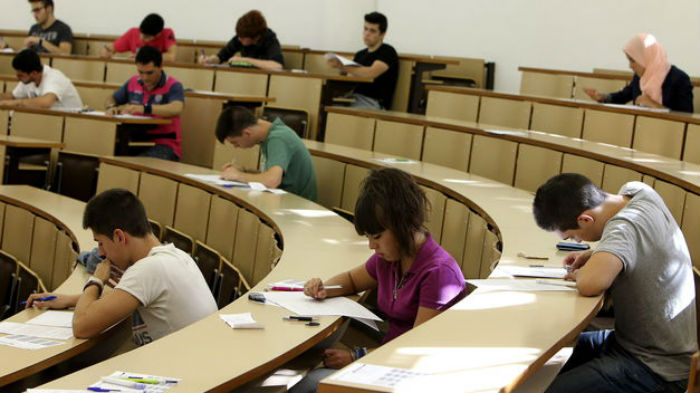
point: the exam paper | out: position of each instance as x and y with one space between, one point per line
241 321
53 318
524 271
54 391
343 60
516 285
368 374
27 342
301 304
165 383
637 107
53 332
396 161
215 179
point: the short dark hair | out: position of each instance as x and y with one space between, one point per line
46 3
252 24
152 24
27 61
232 121
116 209
391 199
148 54
377 19
560 201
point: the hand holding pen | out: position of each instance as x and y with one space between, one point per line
315 289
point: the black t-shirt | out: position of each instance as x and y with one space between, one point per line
268 48
56 33
382 89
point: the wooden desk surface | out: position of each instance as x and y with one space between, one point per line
92 115
599 75
680 173
20 141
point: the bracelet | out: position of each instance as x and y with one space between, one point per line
94 281
358 352
147 109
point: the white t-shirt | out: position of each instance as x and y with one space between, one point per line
171 290
52 81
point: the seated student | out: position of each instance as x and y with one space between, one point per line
153 93
257 44
656 83
151 33
41 87
642 262
379 61
48 35
414 277
161 286
287 162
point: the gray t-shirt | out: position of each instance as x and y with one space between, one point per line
56 33
654 294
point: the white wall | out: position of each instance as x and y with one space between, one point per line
544 33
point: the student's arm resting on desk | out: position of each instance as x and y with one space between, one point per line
377 68
271 178
262 64
171 109
45 101
596 273
107 50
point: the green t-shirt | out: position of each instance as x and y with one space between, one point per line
283 147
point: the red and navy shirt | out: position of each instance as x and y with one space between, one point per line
166 91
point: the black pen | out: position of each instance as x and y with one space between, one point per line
298 318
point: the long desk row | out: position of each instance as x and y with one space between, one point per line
670 134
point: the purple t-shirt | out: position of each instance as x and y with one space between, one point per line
433 281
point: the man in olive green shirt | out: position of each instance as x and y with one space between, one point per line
286 161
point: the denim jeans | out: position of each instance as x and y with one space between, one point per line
160 151
599 364
362 101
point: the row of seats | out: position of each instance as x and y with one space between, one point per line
17 282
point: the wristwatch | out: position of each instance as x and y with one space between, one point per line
94 281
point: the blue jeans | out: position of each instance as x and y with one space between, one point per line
362 101
599 364
160 151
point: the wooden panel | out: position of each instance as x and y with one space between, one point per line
37 126
691 227
592 169
298 93
471 262
198 124
351 186
489 254
241 83
348 130
608 127
614 177
602 85
192 78
3 151
293 60
186 54
119 72
696 99
452 105
535 166
506 113
400 139
246 236
330 175
403 86
158 196
267 253
649 180
246 158
94 97
548 85
223 220
112 176
43 252
18 241
94 47
436 213
493 158
557 119
64 260
468 68
80 70
454 229
447 148
674 197
315 63
192 211
2 219
691 152
4 121
659 136
90 136
6 66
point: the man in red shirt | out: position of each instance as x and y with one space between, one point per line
150 33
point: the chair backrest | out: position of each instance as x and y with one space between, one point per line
694 377
157 228
181 240
209 262
8 282
296 119
76 175
696 279
27 283
231 284
347 215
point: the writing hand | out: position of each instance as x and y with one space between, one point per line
314 288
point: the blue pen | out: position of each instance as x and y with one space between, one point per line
42 299
227 185
96 389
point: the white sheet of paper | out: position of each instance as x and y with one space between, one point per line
368 374
301 304
53 318
505 132
166 383
637 107
524 271
27 342
288 284
53 332
276 191
54 391
241 321
516 285
396 161
257 186
215 179
7 50
343 60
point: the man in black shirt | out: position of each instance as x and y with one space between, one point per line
257 44
379 61
48 35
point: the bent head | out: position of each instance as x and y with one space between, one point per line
27 66
42 10
250 27
149 62
235 126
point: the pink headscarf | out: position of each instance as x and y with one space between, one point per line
646 51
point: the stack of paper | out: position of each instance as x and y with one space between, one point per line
520 285
301 304
216 180
241 321
524 271
343 60
121 381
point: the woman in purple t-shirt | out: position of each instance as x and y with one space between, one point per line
415 278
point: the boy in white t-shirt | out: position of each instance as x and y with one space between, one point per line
41 86
161 286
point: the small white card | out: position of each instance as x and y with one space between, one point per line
241 321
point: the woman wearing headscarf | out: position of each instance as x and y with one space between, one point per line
656 83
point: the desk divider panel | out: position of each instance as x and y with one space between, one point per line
225 153
80 69
399 139
659 136
557 119
43 252
674 197
299 93
3 206
649 180
246 235
504 112
614 177
452 106
158 195
192 211
18 241
4 121
608 127
39 126
474 247
64 259
600 84
454 229
315 63
267 253
90 136
549 85
468 68
436 214
696 99
691 226
113 176
193 78
349 130
293 60
493 158
447 148
403 86
3 158
223 222
351 186
94 47
535 165
329 179
95 97
241 83
692 144
490 253
590 168
186 54
6 66
119 72
198 124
